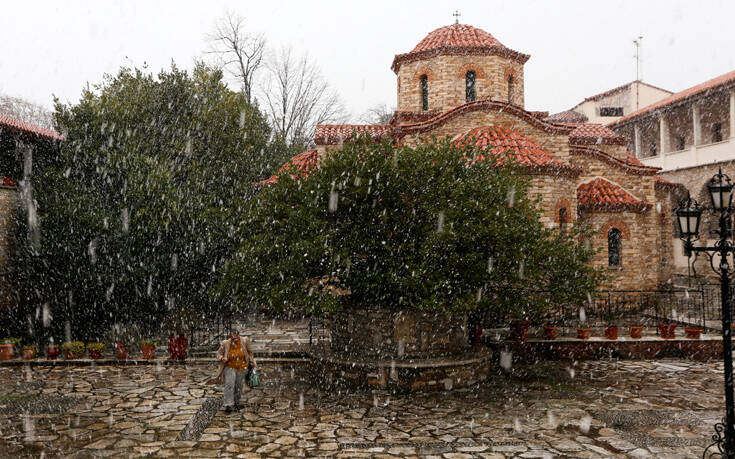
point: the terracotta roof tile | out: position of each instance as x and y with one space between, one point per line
303 162
497 140
595 134
602 195
567 117
663 183
27 128
331 134
457 38
727 79
632 160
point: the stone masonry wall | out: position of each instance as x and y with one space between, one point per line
446 77
8 212
381 333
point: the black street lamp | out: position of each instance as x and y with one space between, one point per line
688 216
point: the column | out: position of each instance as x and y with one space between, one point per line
663 134
732 113
637 140
697 126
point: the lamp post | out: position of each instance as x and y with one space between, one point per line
689 216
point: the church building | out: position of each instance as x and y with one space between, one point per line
462 83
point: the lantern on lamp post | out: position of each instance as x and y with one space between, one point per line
689 215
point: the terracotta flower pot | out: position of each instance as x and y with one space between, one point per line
550 332
693 332
95 354
667 331
584 333
636 331
476 336
6 351
121 351
28 353
149 351
52 352
519 330
611 332
69 355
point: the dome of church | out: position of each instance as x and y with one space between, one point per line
458 39
456 35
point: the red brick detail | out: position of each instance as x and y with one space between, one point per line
331 134
562 204
497 140
13 124
602 195
424 71
664 184
457 39
613 161
479 72
482 105
616 223
303 163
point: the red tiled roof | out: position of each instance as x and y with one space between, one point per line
627 166
331 134
455 39
632 160
602 195
27 128
303 162
497 140
727 79
567 117
595 134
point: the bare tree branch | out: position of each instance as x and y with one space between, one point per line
377 114
238 51
298 98
22 110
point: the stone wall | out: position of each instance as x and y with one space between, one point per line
381 333
446 78
8 214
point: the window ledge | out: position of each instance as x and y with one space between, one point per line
614 268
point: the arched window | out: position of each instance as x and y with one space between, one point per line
469 80
424 92
613 247
563 219
510 88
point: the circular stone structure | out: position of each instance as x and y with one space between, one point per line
372 347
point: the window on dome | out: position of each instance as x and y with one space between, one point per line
510 88
469 85
611 111
424 92
613 247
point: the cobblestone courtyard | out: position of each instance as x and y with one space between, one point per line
659 409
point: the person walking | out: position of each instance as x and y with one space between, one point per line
234 355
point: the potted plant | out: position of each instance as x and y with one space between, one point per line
96 349
693 332
29 351
148 348
121 351
52 351
611 330
73 349
636 331
7 346
666 328
583 333
550 332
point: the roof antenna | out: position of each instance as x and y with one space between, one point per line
638 58
456 16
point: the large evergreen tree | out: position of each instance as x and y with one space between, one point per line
138 214
425 227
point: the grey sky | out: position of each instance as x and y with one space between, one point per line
577 48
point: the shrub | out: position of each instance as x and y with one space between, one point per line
101 347
75 347
148 342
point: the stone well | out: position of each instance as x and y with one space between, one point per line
373 347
